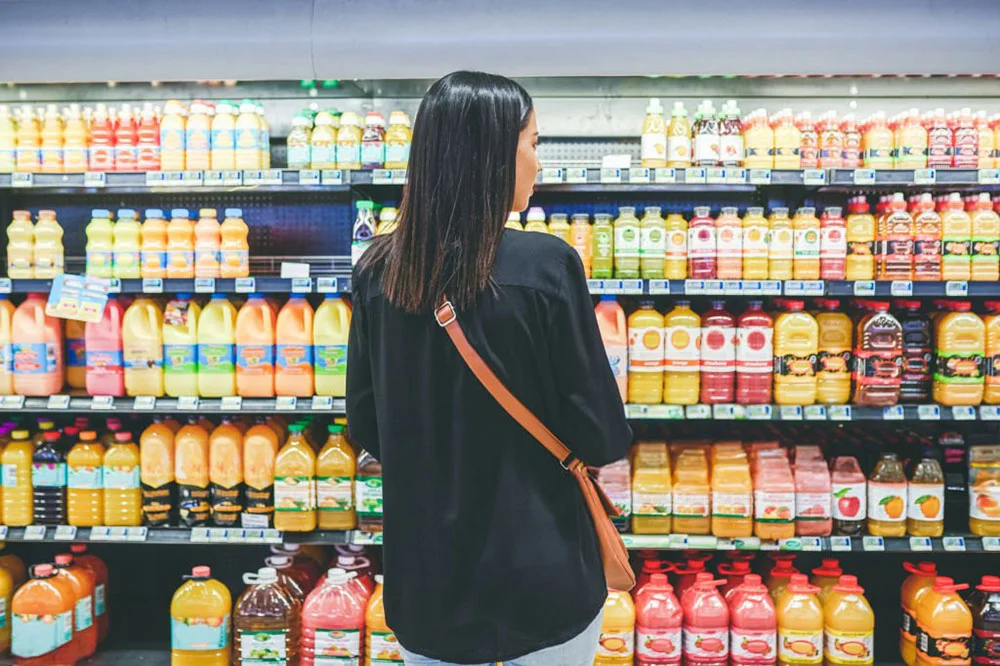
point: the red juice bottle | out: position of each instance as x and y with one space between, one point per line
878 354
333 621
687 574
148 140
126 141
965 154
809 141
734 572
706 623
658 620
927 247
102 141
753 633
754 355
701 245
649 567
718 355
832 244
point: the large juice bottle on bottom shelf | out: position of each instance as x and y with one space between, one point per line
915 586
156 473
645 355
142 348
944 623
335 470
887 498
266 620
984 603
614 334
225 473
833 369
260 448
960 340
217 348
692 493
333 621
255 328
293 372
295 484
617 643
718 355
99 570
652 493
878 357
199 621
180 346
826 576
37 349
381 645
706 622
105 374
191 465
658 621
800 623
753 632
18 491
848 624
85 482
682 355
796 349
991 389
754 355
732 497
83 582
925 499
42 625
331 326
6 332
848 485
122 492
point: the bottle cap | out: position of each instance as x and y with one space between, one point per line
64 560
279 561
19 434
335 428
234 212
921 568
42 571
906 304
992 305
783 569
78 548
734 568
153 212
201 572
337 576
830 567
799 584
52 436
123 437
989 584
849 584
752 580
945 584
659 581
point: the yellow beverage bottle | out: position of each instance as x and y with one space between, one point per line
833 367
826 576
173 137
960 340
805 244
675 264
579 238
225 473
603 255
877 142
796 348
925 499
100 244
126 246
180 346
984 490
122 494
945 625
21 247
887 497
800 623
264 142
654 137
758 137
7 589
617 644
645 364
860 241
217 348
956 240
76 353
918 583
756 234
52 140
682 355
49 253
142 348
29 142
535 220
153 245
260 448
6 340
335 470
627 243
156 472
191 470
14 565
514 222
652 491
349 141
223 154
295 484
991 392
8 140
692 493
331 326
732 496
848 624
248 137
787 141
398 137
679 137
18 491
180 245
985 240
200 621
85 481
780 250
559 226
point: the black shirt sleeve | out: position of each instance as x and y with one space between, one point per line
361 415
591 417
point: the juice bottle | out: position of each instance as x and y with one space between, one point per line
758 137
142 348
627 243
21 246
860 263
960 336
191 469
887 497
8 140
173 137
701 245
925 499
147 139
37 349
126 150
652 243
756 231
617 643
679 137
349 141
895 235
536 222
335 470
654 137
156 473
729 241
832 245
126 245
944 625
645 353
290 578
180 245
199 621
692 498
658 621
831 141
877 142
153 245
299 143
264 142
965 147
225 474
373 141
180 346
800 623
294 351
805 244
917 352
368 492
514 222
984 603
826 576
939 143
260 448
223 136
718 355
809 148
333 621
731 144
833 375
787 141
48 480
706 622
255 326
915 586
675 264
75 336
330 330
82 582
6 346
51 134
197 137
991 393
956 233
7 587
100 244
615 336
732 498
28 154
878 357
812 499
217 348
753 633
18 492
774 501
682 355
796 350
927 240
49 254
381 644
398 138
987 140
99 570
603 261
85 481
615 480
580 239
295 484
780 250
849 624
984 490
42 619
103 348
985 240
207 244
651 489
234 249
705 134
249 137
754 355
912 145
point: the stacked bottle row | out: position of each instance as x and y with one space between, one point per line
224 135
35 250
329 139
962 139
184 346
947 238
867 353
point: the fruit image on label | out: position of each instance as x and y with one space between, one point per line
681 348
984 501
925 502
731 505
693 505
755 349
651 504
849 501
849 647
706 643
800 647
658 644
812 506
645 346
773 507
886 501
749 646
615 644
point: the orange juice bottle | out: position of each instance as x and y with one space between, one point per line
887 497
651 488
42 619
234 250
294 351
915 586
142 348
682 355
18 491
787 141
225 474
156 473
780 250
191 469
800 623
335 470
85 481
52 141
654 139
944 622
925 499
756 233
199 621
805 244
295 484
617 644
960 338
646 355
153 246
260 448
826 576
848 624
579 238
8 585
207 244
675 266
83 583
860 240
984 489
796 348
991 393
985 240
679 138
180 245
381 644
759 139
732 497
692 499
956 239
21 246
833 374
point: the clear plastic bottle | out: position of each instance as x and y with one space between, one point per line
368 493
917 352
266 621
627 243
878 357
925 499
887 491
652 243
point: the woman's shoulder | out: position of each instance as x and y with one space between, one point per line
533 259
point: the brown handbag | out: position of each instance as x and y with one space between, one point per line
617 570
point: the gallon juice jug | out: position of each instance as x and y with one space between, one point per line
294 374
330 330
74 334
142 348
849 487
18 492
614 334
335 470
692 494
849 624
180 346
295 484
833 374
99 570
984 603
156 473
217 348
878 354
915 385
718 355
800 623
255 328
82 582
645 355
48 480
651 489
658 621
925 499
617 644
333 621
265 620
225 475
7 588
915 586
706 622
42 620
105 374
860 241
944 625
234 248
754 355
826 576
682 355
199 621
122 494
887 497
260 448
191 470
153 245
37 349
984 490
85 481
796 350
991 389
6 339
753 630
960 338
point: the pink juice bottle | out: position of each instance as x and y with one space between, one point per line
849 496
333 621
718 355
754 355
832 244
105 374
729 242
753 633
658 620
706 623
734 572
812 499
701 245
650 567
37 349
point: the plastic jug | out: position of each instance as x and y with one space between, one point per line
42 625
753 634
18 491
105 374
85 481
142 348
126 245
860 241
49 253
614 334
915 385
805 244
7 587
199 621
21 246
191 465
82 582
915 586
732 497
255 330
156 473
6 346
335 471
180 346
295 484
833 373
800 623
706 622
682 355
331 327
217 348
848 485
333 620
617 643
266 620
652 492
754 355
225 474
99 570
294 352
849 624
796 349
37 349
826 576
645 355
944 623
207 244
122 494
381 644
878 351
260 448
658 621
960 338
153 245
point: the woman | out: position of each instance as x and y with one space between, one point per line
490 554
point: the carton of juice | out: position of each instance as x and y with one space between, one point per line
682 355
617 643
330 330
701 244
848 624
658 621
295 484
915 586
692 500
706 622
627 243
729 242
199 621
826 576
887 497
806 245
796 350
944 625
960 337
984 490
652 242
754 624
956 238
925 499
603 254
652 493
615 336
800 623
732 497
833 375
878 357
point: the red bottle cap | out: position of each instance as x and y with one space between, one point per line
989 584
830 567
849 584
945 584
735 568
752 580
831 304
201 572
659 581
799 584
52 436
903 304
123 436
794 306
42 571
880 306
88 436
960 306
921 568
78 548
783 569
992 306
782 557
64 560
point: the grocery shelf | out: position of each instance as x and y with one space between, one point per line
164 405
823 413
233 536
267 284
145 181
801 288
833 544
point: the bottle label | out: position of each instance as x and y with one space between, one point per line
344 643
348 153
395 152
298 156
627 241
677 244
34 358
731 147
259 501
748 646
84 614
908 624
793 365
48 475
294 494
81 477
368 495
247 137
651 505
180 260
682 349
812 506
706 148
731 505
679 148
925 502
226 503
223 139
295 359
254 360
834 363
10 475
691 505
878 368
104 360
660 646
265 648
832 242
383 646
887 501
861 248
156 504
331 360
943 648
984 500
192 503
616 644
986 646
718 349
372 154
621 500
959 368
654 146
235 261
216 359
701 242
773 508
37 635
76 353
121 478
645 347
603 245
729 239
849 647
180 359
806 243
142 357
7 358
125 261
335 493
706 644
652 242
617 359
781 244
796 646
755 349
849 501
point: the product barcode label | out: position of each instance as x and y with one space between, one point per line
873 543
920 544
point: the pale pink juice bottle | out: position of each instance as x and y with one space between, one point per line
729 244
105 374
702 249
658 620
753 634
706 623
813 512
333 621
37 349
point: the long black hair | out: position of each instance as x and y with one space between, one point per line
458 194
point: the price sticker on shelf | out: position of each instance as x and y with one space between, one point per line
95 179
963 413
99 533
893 413
901 288
199 535
793 545
552 176
924 176
864 176
22 179
34 532
193 178
3 532
815 413
187 403
670 412
152 285
813 288
173 179
991 544
309 177
638 175
724 412
957 288
814 177
694 287
864 288
715 176
213 178
236 536
790 412
954 544
5 285
698 412
724 543
713 287
576 175
758 412
327 285
136 533
839 412
232 178
154 178
217 535
322 403
695 176
735 175
271 177
794 288
760 176
920 544
611 176
334 177
58 402
285 403
144 403
231 403
114 286
928 412
246 285
302 285
732 287
382 177
659 287
752 287
12 401
811 544
747 543
771 288
665 176
989 413
102 402
873 544
65 533
204 285
989 176
768 544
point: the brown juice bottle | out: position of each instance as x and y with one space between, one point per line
266 622
984 602
878 358
368 493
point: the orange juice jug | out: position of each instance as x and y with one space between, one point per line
652 242
894 235
255 325
295 484
234 248
654 138
956 239
579 238
617 643
153 245
756 233
729 244
780 250
37 349
833 374
925 499
199 621
156 473
848 624
6 339
180 245
21 246
49 253
805 244
217 348
682 355
142 348
207 244
645 357
614 334
225 474
335 470
260 448
18 490
915 586
800 623
85 481
381 644
692 493
960 338
652 493
826 576
191 471
944 625
679 137
82 582
860 241
984 489
985 240
126 246
330 329
759 139
180 346
732 497
42 619
887 498
293 374
796 349
991 393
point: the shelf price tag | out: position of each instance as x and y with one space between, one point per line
715 176
272 536
173 179
231 403
99 533
12 401
732 287
114 286
246 285
665 176
144 403
928 412
815 413
232 178
924 176
751 287
794 545
285 403
894 413
5 285
839 412
217 535
695 175
576 175
723 412
759 412
920 544
747 543
95 179
302 285
963 413
199 535
204 285
771 288
136 533
236 536
724 543
34 532
271 177
768 544
954 544
187 403
152 285
309 177
611 176
989 413
102 402
864 176
333 177
326 285
816 177
682 541
154 178
3 532
991 544
873 544
813 288
58 402
989 176
694 287
213 178
659 287
864 288
735 175
65 533
638 175
322 403
901 288
790 413
959 288
22 179
698 412
713 287
552 176
760 176
793 288
811 544
193 178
